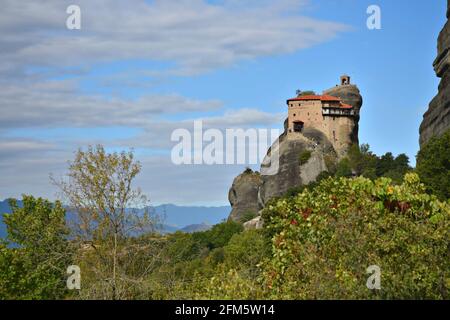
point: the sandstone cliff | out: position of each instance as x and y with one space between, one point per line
243 195
437 118
292 172
250 192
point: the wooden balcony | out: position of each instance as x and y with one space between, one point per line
339 112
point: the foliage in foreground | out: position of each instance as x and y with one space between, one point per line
324 239
34 258
317 241
433 165
319 244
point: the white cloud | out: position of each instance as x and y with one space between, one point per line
196 35
52 104
192 36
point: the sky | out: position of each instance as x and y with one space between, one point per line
138 70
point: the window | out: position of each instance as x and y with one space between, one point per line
298 126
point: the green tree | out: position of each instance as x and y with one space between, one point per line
344 168
385 164
433 165
219 235
245 251
110 209
34 259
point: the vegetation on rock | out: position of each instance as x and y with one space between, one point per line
433 166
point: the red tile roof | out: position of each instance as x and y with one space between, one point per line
323 98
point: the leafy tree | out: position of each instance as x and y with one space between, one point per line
219 235
433 165
385 164
307 93
344 168
245 251
363 162
109 209
34 259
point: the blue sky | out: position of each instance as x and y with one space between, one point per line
128 83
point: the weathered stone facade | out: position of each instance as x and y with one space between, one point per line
436 120
349 94
328 113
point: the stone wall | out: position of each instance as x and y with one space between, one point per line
346 128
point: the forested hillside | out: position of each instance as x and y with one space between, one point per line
317 241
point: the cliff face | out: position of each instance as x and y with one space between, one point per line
250 193
437 118
292 171
243 195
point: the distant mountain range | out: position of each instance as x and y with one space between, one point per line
174 218
196 228
4 208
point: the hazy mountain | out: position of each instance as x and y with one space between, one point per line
196 227
183 218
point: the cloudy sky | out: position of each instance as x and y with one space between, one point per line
137 70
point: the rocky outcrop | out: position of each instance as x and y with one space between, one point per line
256 223
436 120
243 195
299 158
251 191
291 171
350 95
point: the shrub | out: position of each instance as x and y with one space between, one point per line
344 168
245 250
304 157
219 235
33 261
433 166
248 171
307 93
249 215
324 239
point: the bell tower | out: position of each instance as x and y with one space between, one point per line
345 80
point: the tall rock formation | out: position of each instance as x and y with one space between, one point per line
437 118
349 93
301 156
243 195
292 171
